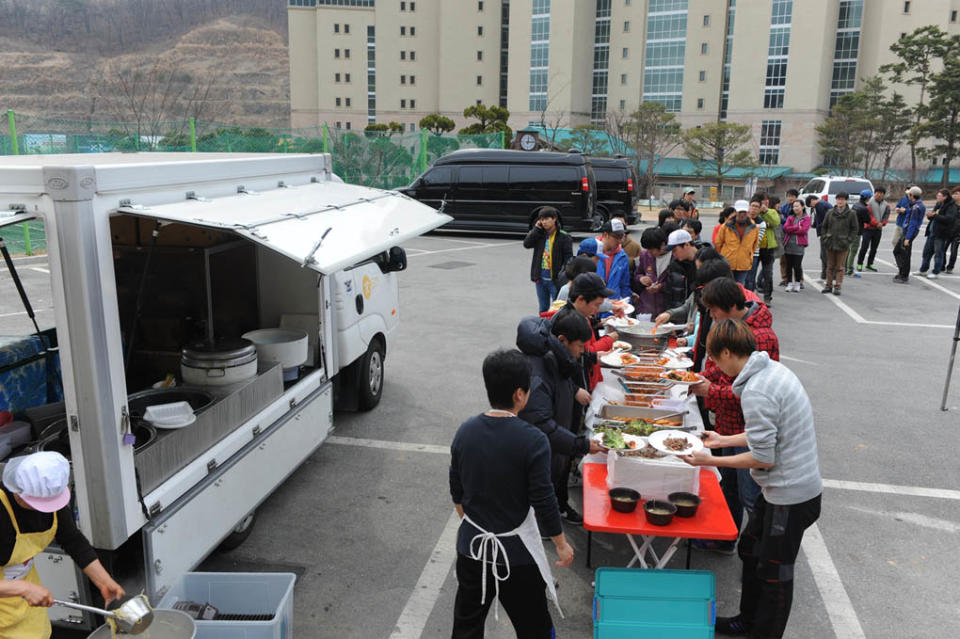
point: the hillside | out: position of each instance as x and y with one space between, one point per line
235 68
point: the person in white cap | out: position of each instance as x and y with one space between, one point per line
36 511
738 239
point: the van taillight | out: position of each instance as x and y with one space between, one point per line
629 184
584 185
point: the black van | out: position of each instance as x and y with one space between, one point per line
499 190
616 187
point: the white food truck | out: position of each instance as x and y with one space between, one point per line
159 265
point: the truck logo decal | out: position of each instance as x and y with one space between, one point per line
368 285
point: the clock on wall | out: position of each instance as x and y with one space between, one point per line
528 141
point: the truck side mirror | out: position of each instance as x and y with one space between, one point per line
397 260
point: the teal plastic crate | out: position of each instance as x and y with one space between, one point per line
239 593
656 604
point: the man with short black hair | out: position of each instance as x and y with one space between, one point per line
500 479
840 228
693 227
681 274
553 348
552 249
879 215
649 278
665 215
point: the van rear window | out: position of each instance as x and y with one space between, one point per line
611 177
852 187
545 177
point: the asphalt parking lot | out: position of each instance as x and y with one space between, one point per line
367 521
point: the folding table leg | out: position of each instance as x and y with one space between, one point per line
669 553
638 553
589 547
689 544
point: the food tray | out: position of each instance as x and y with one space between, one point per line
613 411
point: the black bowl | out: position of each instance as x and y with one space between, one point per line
688 509
662 514
624 500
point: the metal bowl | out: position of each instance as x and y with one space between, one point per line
59 441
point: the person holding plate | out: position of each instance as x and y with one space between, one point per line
782 457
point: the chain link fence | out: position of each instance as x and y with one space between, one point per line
378 159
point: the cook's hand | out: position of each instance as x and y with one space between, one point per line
582 396
699 458
36 595
646 281
701 389
597 447
662 318
565 551
711 439
613 335
111 590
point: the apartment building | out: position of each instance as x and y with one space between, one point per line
775 65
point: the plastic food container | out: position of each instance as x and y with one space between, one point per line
170 415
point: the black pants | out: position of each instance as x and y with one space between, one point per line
870 240
765 277
523 597
823 259
768 548
954 246
901 253
794 268
560 476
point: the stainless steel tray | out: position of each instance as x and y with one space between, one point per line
612 411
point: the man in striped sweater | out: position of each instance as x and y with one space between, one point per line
782 458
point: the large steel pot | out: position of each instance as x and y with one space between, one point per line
220 364
58 441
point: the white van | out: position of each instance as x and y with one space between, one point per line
163 261
827 186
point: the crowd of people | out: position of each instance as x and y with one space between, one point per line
511 466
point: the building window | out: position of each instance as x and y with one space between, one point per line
479 56
339 125
346 53
347 77
413 104
413 31
626 26
346 29
906 7
666 35
846 49
336 28
336 77
706 20
413 55
700 103
403 31
336 53
348 126
625 53
403 55
623 104
539 54
413 6
953 16
413 127
403 6
778 50
403 104
703 76
703 48
348 102
479 80
770 141
479 5
403 79
479 31
623 78
413 79
337 102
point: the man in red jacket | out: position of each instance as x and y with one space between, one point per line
725 299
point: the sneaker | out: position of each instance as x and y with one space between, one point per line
836 291
801 286
721 547
572 515
871 267
732 626
849 272
932 276
768 301
898 280
827 289
948 270
860 267
857 275
783 283
823 275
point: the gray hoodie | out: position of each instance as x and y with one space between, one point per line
779 429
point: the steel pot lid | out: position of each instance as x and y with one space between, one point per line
224 354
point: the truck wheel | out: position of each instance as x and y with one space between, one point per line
240 533
371 376
597 222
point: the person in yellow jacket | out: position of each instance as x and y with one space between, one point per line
737 240
36 512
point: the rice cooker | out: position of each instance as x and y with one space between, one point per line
219 364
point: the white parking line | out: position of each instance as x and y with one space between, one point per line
466 248
425 593
890 489
843 617
447 239
387 445
36 310
40 270
795 359
929 283
859 319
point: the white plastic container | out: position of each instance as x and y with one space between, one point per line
288 347
652 478
173 415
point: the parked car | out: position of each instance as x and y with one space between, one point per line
827 186
500 191
616 187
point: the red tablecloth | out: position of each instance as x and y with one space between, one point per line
712 521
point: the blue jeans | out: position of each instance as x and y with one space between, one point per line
751 280
741 277
546 291
738 486
936 248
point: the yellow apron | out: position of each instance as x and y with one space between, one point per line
18 619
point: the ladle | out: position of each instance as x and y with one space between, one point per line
133 617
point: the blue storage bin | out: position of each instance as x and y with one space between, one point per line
634 603
238 593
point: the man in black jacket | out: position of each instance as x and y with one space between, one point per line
552 249
939 233
682 272
553 349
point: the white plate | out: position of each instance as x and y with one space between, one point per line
626 438
656 440
169 426
615 359
664 374
627 308
623 346
620 322
679 364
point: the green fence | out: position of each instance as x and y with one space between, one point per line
373 159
